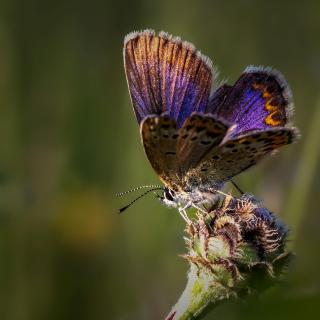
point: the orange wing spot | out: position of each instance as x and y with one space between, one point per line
266 94
271 121
257 86
272 104
270 107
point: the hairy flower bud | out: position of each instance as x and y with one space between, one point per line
237 249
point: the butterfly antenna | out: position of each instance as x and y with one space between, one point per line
120 194
237 187
136 199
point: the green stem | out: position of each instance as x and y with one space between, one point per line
201 292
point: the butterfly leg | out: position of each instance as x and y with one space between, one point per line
200 209
237 187
183 213
204 212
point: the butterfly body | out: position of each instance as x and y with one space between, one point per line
195 135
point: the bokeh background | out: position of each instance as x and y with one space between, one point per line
69 141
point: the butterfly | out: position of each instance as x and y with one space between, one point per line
196 134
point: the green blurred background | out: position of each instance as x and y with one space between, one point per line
69 141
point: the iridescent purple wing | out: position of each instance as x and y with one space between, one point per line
259 100
166 75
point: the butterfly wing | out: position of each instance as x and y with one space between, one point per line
169 79
242 152
159 137
259 100
165 74
199 133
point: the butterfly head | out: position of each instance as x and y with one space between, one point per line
169 198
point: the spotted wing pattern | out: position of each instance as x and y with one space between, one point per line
159 137
165 74
191 135
259 100
239 154
198 135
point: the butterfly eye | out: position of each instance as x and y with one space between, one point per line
169 194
